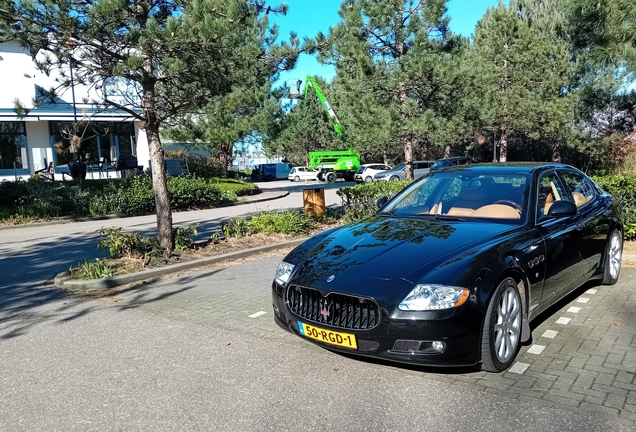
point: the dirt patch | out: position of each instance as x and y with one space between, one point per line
629 254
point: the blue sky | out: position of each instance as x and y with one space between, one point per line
309 17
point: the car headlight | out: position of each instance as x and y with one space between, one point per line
433 297
283 272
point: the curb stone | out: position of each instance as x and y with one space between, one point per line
63 280
68 220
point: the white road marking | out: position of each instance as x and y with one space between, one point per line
550 334
257 314
536 349
519 368
574 309
563 320
592 291
583 300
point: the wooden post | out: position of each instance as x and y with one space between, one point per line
314 202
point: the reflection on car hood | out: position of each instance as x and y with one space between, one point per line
386 248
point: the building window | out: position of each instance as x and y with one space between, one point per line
99 140
13 151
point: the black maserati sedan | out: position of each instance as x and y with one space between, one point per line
451 271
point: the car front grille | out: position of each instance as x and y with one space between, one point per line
336 310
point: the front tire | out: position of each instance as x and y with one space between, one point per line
331 177
394 178
368 179
613 258
502 328
296 179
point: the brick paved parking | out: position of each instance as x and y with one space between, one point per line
582 357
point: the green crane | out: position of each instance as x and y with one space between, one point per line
323 100
332 164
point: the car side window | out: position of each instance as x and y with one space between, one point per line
580 187
550 190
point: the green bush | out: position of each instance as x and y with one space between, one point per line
39 199
290 223
623 188
92 269
183 237
131 245
238 187
237 227
359 202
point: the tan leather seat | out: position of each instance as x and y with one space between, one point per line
469 200
579 198
548 203
497 211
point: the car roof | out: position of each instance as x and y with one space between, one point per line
512 167
455 158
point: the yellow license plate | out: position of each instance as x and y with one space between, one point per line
331 337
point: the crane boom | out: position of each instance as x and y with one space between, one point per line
325 103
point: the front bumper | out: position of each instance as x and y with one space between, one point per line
461 334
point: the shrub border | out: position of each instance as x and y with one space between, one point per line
70 219
63 280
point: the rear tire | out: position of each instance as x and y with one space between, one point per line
502 328
613 258
269 177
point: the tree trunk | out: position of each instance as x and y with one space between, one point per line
503 147
447 152
224 158
408 158
408 142
157 162
556 152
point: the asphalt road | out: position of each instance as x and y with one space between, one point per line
73 364
38 253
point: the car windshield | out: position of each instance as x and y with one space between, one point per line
497 196
400 167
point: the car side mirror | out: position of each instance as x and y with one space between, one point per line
382 202
562 209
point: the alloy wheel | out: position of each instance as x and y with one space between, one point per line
615 254
507 327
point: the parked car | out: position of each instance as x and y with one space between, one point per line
453 161
366 172
297 174
453 269
420 168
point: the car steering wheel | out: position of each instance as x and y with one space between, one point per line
510 203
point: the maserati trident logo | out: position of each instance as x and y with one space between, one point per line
324 308
330 278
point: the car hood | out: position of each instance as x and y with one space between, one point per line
386 248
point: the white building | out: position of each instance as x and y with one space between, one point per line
28 144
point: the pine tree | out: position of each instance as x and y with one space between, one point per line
607 28
389 58
177 55
523 79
